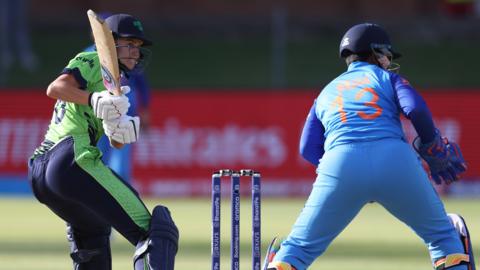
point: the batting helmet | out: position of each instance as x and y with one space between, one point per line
364 38
127 26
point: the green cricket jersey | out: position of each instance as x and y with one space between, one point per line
70 119
79 121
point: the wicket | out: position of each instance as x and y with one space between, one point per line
235 217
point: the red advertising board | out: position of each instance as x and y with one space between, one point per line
194 133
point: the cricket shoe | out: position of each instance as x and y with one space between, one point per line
466 258
279 266
461 228
268 263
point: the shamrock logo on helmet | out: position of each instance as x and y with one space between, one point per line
138 25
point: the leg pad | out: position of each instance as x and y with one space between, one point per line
90 252
158 251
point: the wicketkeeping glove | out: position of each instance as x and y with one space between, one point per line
124 130
108 107
443 157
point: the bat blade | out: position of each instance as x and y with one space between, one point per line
107 53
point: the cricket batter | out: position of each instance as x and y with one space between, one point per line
67 174
354 137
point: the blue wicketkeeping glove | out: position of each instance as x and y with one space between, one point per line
443 157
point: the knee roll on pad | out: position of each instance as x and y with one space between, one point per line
465 258
158 251
90 253
162 225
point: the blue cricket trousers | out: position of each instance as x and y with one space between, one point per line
352 175
88 204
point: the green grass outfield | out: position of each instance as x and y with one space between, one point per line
31 237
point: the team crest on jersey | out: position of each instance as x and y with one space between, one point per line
345 42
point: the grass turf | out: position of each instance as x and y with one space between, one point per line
31 237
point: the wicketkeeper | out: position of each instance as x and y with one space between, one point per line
67 174
353 135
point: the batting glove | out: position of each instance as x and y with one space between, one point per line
444 159
125 89
124 130
108 107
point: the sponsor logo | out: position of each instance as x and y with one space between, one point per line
345 42
175 145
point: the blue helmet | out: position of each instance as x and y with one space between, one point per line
365 38
127 26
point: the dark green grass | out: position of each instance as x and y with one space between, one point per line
246 62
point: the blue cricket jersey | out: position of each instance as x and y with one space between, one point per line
363 104
354 128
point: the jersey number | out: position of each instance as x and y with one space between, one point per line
59 111
338 102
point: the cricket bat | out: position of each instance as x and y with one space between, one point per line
107 53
